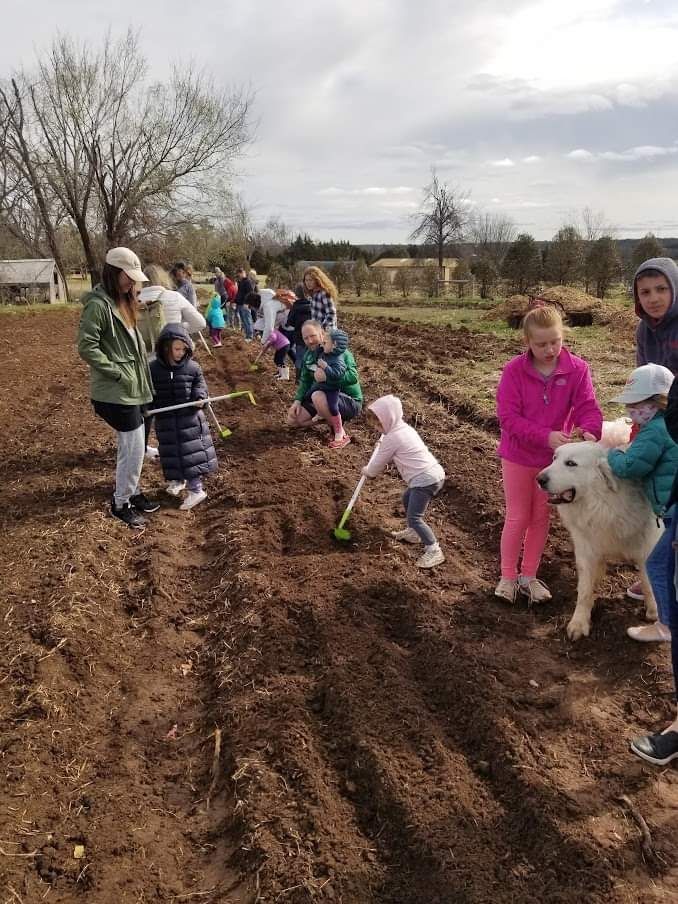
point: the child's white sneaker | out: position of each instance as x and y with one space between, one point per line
152 452
174 487
507 589
409 535
193 499
535 590
433 555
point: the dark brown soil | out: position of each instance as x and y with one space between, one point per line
387 736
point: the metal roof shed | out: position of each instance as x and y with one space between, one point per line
23 281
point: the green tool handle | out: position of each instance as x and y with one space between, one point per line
356 492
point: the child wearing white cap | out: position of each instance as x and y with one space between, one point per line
651 458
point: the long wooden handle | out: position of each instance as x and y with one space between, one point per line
219 398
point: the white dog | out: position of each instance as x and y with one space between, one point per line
609 520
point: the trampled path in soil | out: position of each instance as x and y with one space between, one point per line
386 735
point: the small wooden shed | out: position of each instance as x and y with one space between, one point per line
391 265
26 281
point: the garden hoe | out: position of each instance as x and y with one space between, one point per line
204 342
224 432
340 532
255 364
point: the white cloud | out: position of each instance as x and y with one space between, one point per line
631 155
644 152
336 152
580 154
371 190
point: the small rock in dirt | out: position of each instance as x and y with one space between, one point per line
484 767
533 683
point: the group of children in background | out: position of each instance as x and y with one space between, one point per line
545 399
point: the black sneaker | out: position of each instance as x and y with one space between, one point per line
658 749
142 504
127 514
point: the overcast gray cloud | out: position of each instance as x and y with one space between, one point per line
537 108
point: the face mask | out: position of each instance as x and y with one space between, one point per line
642 414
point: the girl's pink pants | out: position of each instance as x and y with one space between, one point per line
526 524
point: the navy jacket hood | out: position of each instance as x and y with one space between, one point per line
169 333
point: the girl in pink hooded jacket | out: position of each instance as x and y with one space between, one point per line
543 395
421 471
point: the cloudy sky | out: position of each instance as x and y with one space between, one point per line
538 109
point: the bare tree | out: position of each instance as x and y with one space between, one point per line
404 280
379 279
122 157
491 235
442 218
594 224
361 277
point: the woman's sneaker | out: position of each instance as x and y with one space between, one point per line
409 535
128 516
142 504
433 555
658 749
193 499
174 487
507 589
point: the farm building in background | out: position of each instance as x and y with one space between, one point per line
392 264
28 281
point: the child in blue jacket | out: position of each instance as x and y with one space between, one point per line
215 320
651 458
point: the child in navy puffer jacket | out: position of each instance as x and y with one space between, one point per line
187 452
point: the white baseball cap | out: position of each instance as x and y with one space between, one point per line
126 260
644 382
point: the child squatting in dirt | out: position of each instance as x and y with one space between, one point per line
187 452
421 471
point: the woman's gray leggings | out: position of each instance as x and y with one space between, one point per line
416 501
131 449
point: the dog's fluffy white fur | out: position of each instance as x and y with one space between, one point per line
609 520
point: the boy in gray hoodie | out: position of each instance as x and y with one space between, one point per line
655 289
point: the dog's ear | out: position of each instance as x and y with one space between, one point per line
607 475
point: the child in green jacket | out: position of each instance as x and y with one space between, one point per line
651 458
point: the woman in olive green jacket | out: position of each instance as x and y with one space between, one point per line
112 346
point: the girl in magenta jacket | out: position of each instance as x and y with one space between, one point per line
543 394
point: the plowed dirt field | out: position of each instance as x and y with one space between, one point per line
231 708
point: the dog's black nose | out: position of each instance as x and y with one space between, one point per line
542 481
